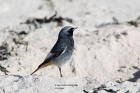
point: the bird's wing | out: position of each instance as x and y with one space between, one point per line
49 57
46 62
56 51
53 54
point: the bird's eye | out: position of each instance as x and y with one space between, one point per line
71 31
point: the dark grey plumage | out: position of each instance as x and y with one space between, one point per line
62 50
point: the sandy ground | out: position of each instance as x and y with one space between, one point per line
106 43
45 84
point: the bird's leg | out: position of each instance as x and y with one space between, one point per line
60 71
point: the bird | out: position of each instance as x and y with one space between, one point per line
61 51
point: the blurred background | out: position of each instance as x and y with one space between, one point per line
106 41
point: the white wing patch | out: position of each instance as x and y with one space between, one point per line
64 51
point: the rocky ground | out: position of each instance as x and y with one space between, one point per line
106 46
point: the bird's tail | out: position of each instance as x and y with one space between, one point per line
44 64
34 71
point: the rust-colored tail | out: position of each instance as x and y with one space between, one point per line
44 64
34 71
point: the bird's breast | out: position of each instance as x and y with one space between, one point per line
65 55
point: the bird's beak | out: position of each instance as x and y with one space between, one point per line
75 28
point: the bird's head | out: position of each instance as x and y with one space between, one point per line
67 31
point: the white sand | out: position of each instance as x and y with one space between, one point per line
108 53
45 84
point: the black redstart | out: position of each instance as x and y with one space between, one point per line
62 50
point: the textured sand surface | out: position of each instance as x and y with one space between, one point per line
45 84
106 42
